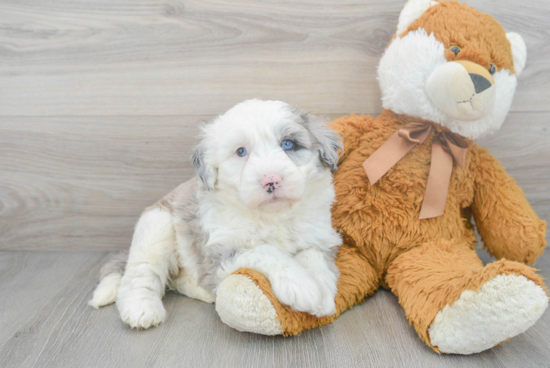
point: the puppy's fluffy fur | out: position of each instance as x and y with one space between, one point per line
268 210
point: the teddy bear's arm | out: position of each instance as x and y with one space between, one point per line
351 128
507 223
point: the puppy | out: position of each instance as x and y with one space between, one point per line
261 199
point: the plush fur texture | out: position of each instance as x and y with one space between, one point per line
519 51
254 205
412 11
403 78
242 295
479 320
432 264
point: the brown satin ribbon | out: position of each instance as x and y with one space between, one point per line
446 146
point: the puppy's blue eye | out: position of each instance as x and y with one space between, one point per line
241 152
287 144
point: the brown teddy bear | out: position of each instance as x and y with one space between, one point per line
409 184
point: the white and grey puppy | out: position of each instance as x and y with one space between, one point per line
262 200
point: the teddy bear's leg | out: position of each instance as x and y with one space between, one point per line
459 306
246 302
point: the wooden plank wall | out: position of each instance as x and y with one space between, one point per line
100 101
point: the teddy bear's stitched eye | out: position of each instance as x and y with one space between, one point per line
492 69
455 49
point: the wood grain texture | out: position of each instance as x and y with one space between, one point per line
47 323
149 57
81 183
100 103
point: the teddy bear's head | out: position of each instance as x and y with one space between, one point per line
452 65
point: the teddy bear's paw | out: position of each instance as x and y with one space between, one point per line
504 307
241 304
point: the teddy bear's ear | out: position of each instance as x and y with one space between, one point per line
519 51
412 11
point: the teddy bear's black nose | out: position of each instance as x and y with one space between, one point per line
480 83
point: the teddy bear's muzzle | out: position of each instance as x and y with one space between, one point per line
462 89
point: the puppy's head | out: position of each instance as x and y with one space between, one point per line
265 154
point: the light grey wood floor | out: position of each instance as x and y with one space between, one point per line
47 323
100 103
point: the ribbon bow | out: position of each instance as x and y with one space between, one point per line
446 146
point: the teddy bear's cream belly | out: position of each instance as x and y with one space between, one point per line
388 211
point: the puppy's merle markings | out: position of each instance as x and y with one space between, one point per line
268 210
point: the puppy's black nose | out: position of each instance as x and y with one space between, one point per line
480 83
271 182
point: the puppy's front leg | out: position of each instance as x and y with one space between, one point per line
323 268
292 284
151 259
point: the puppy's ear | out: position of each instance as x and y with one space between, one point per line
206 173
328 141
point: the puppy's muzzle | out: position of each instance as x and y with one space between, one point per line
462 89
271 182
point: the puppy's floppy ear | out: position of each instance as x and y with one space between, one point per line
328 141
206 173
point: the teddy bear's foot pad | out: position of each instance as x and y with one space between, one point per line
241 304
504 307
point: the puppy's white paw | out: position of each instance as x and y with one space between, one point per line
142 313
302 294
189 286
327 307
106 291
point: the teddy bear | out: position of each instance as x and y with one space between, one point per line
411 186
